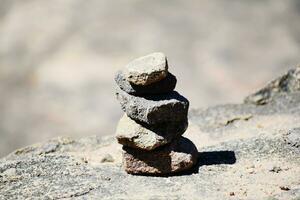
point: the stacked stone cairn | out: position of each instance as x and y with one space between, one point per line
155 119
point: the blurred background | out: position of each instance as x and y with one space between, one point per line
58 57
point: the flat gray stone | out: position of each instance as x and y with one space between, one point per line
154 109
142 136
147 69
165 85
178 156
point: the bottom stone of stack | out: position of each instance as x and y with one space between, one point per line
178 156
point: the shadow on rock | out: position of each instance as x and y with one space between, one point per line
212 158
208 158
216 158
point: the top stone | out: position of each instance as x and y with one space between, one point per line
147 69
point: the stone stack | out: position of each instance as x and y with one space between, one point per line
155 119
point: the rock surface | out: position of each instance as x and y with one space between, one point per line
243 154
147 69
289 82
164 86
137 135
154 109
293 137
180 155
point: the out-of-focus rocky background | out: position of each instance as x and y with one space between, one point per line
58 57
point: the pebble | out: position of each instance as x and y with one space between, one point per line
284 188
147 69
107 158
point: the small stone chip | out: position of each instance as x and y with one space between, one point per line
147 69
284 188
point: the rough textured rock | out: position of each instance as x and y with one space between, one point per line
147 69
289 82
137 135
293 137
154 109
237 144
163 86
180 155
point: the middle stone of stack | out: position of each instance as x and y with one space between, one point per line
154 120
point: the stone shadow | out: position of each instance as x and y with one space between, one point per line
205 159
216 158
211 158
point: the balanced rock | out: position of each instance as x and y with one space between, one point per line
154 109
147 69
163 86
155 119
180 155
142 136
